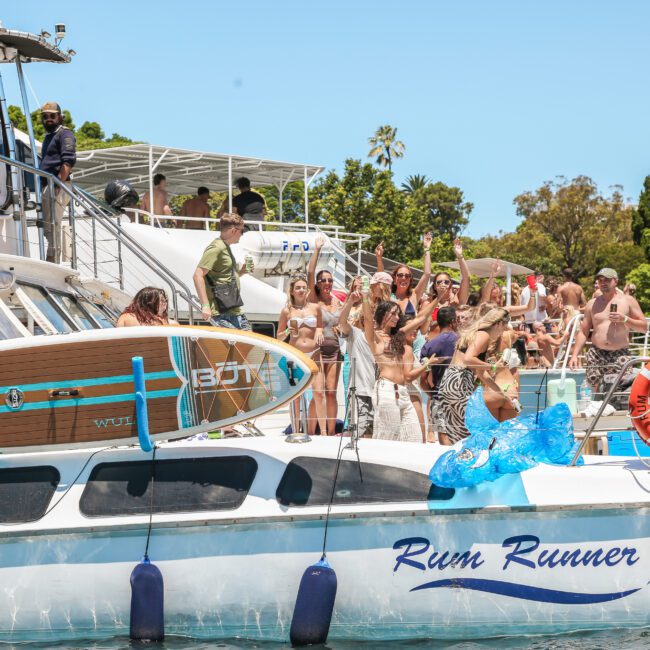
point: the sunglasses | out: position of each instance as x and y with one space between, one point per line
47 116
327 280
443 281
404 275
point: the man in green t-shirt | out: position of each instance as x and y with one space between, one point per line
217 266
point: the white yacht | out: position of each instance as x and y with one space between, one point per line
233 523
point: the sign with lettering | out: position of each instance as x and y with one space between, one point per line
419 554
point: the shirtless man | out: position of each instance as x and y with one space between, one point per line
609 317
571 293
160 199
197 207
546 343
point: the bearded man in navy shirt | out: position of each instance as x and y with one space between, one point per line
58 156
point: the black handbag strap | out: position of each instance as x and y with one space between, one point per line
234 263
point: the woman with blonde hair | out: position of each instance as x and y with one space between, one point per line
301 321
478 342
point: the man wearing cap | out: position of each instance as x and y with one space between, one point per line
58 156
609 317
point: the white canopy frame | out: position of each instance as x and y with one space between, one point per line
482 268
187 169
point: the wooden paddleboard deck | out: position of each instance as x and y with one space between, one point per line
77 389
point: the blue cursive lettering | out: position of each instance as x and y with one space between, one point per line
519 540
554 557
437 560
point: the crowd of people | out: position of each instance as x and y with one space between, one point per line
404 344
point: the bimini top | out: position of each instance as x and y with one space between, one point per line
185 169
30 48
482 267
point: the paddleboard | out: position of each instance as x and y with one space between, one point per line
76 390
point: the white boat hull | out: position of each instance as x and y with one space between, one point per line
396 576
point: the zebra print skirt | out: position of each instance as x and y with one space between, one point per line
456 388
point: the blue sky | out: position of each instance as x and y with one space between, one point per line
493 97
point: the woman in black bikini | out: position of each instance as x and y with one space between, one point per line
404 294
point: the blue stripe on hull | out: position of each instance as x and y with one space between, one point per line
90 401
526 592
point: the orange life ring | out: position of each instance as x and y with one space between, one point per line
639 406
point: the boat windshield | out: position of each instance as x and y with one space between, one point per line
71 306
47 307
103 319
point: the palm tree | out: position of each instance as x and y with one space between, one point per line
414 183
385 146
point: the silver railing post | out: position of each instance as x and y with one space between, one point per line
32 144
73 235
604 403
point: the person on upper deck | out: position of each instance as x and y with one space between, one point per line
58 157
249 205
609 318
160 200
197 207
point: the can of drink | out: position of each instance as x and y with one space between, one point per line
365 283
249 263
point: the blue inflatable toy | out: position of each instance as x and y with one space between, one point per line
496 448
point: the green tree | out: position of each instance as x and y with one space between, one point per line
385 146
89 135
438 208
91 130
414 182
577 219
641 219
641 277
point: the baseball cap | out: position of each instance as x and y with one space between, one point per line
608 273
50 107
381 277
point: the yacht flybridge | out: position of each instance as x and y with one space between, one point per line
231 524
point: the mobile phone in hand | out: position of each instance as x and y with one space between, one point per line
613 307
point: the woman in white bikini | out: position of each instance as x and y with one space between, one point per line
302 322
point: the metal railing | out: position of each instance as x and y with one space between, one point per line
605 402
110 221
336 235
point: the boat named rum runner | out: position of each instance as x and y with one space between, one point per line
232 524
235 522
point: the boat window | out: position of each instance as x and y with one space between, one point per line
47 307
71 307
180 485
307 481
98 314
25 492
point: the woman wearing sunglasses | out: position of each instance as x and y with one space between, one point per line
404 293
326 381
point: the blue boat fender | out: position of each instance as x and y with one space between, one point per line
312 614
147 602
